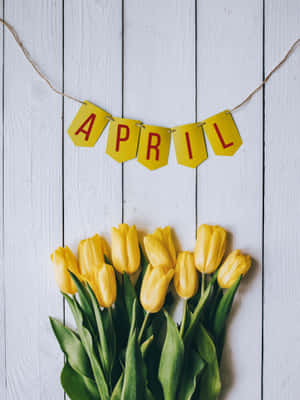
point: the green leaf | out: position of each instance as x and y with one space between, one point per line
195 318
221 316
72 347
186 319
149 395
144 265
110 333
129 295
84 298
120 317
105 356
210 381
117 393
145 345
193 367
171 360
77 386
87 341
134 384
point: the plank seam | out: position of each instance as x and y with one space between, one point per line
196 111
3 208
263 204
122 105
63 153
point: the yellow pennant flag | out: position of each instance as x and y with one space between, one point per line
223 134
88 125
189 145
154 146
123 137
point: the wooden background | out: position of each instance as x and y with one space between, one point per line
165 62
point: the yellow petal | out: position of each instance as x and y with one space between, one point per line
133 250
216 250
186 278
202 246
235 265
106 288
156 252
119 250
154 288
90 254
64 261
169 243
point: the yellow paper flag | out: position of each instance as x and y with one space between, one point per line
189 145
88 125
154 146
223 134
123 137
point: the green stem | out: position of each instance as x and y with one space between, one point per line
183 322
143 327
202 283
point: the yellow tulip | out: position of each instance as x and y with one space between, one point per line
186 279
64 261
160 248
91 253
209 248
154 287
103 282
125 249
235 265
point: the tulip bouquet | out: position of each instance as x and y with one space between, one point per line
126 345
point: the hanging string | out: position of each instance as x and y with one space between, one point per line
248 98
33 63
44 78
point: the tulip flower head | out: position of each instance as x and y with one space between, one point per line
154 287
64 261
160 248
235 265
91 253
103 282
209 248
125 249
186 279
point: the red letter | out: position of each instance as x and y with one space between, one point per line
90 120
119 139
153 146
225 145
188 142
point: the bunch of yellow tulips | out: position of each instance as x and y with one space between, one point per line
120 309
97 265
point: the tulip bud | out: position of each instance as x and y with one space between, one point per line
160 248
154 288
186 279
209 248
104 285
125 249
235 265
64 261
91 254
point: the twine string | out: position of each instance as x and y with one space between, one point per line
33 63
248 98
44 77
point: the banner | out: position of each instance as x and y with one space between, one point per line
189 144
128 138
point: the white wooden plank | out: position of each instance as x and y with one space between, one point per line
32 202
160 90
2 274
230 189
93 71
282 206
